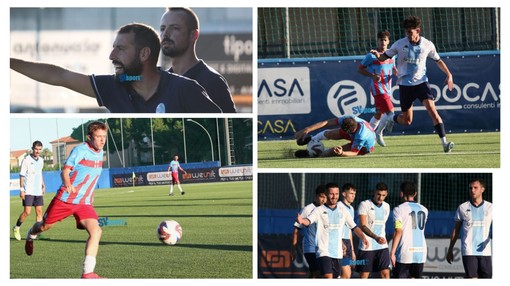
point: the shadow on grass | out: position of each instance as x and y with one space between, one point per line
159 244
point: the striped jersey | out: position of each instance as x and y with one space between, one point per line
411 218
86 165
174 165
376 222
330 225
31 171
412 60
383 69
308 232
347 231
475 230
364 137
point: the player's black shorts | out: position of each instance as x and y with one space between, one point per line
408 94
313 264
347 260
330 265
33 201
373 261
477 266
407 270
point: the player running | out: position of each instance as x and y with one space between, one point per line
174 166
380 86
76 194
356 130
412 53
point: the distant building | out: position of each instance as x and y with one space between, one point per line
17 156
61 149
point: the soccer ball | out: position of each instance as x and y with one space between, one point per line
315 148
169 232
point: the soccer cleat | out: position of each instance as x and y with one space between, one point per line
29 243
380 140
183 193
171 194
448 147
91 275
389 127
29 247
304 141
17 235
301 154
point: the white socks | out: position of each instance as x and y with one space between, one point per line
89 264
320 136
374 122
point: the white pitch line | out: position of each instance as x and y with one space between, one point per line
435 153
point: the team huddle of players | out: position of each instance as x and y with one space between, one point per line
328 225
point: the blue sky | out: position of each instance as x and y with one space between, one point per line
24 131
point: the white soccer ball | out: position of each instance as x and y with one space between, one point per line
169 232
315 148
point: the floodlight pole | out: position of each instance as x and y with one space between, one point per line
209 135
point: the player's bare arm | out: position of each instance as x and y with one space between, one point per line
380 57
363 71
359 233
303 132
54 75
339 151
363 222
397 235
453 238
22 187
303 221
449 77
66 180
293 253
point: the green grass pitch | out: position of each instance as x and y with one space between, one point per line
472 150
217 238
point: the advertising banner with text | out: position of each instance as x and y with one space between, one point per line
293 94
199 175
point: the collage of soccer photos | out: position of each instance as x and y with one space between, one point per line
257 143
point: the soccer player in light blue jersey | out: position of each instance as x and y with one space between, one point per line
309 233
409 248
412 53
473 222
380 86
331 218
76 194
32 186
352 128
373 214
349 260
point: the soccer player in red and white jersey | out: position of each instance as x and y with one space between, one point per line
75 196
352 128
380 87
174 167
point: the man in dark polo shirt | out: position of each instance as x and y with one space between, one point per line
138 85
179 32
